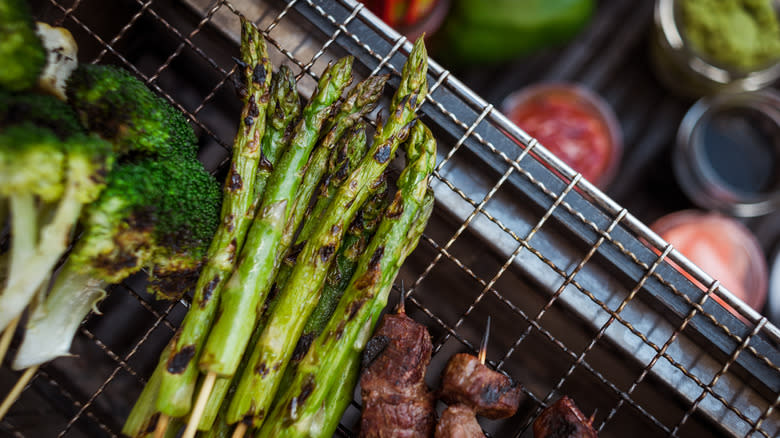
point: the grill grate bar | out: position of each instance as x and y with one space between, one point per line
723 370
123 31
603 330
569 279
512 257
660 353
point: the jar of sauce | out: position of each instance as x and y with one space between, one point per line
703 47
727 155
722 247
573 123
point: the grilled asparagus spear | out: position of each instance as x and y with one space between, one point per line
178 379
283 109
365 297
316 167
261 378
257 265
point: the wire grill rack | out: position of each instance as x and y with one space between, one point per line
585 299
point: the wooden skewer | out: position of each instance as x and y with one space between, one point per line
483 345
162 426
402 300
17 390
239 431
8 334
200 405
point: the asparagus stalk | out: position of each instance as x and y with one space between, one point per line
341 271
261 378
365 297
143 417
284 107
257 266
360 102
355 142
178 379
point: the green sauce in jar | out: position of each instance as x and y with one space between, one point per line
742 34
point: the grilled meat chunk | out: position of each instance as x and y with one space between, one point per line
396 401
563 419
468 381
458 421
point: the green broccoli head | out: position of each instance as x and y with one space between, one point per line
31 161
42 110
21 50
159 214
121 109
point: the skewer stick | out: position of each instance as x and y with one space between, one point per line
200 405
483 345
162 426
402 300
17 390
239 431
8 334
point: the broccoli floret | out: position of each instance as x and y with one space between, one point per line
21 51
49 169
42 110
31 163
121 109
158 214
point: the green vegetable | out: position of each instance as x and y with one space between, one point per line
150 211
297 412
121 109
144 415
301 292
744 34
490 31
46 164
21 51
341 271
284 108
258 261
181 372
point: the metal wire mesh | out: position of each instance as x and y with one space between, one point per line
586 301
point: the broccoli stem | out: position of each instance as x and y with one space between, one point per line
54 322
347 331
271 354
181 372
24 235
29 273
258 261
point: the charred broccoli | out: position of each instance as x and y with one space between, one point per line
158 214
21 50
121 109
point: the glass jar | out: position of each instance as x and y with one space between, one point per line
686 72
572 122
722 247
727 156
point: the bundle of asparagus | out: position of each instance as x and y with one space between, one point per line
306 254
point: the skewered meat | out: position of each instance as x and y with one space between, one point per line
396 401
458 421
563 419
489 393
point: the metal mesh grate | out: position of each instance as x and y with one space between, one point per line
586 301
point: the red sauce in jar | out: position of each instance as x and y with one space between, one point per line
569 127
